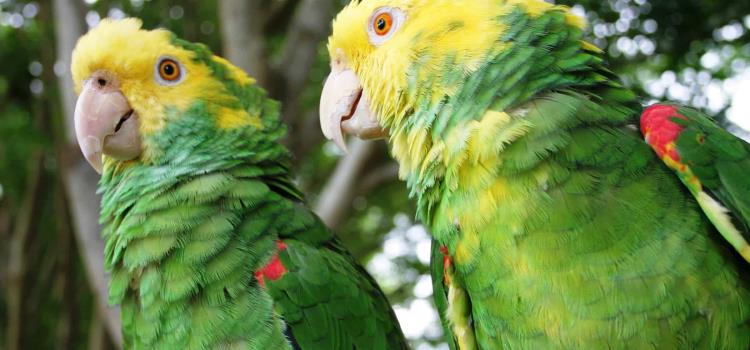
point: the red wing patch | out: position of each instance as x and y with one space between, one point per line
447 263
660 131
275 269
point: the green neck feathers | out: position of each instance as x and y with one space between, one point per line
533 57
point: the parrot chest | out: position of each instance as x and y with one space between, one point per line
189 266
545 268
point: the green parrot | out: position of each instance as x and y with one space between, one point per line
554 224
208 240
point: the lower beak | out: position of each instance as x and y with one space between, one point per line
105 124
345 108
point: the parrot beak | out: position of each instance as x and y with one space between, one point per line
345 108
105 123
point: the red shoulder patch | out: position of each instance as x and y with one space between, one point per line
447 263
660 131
275 269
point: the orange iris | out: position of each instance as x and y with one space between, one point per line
169 70
383 23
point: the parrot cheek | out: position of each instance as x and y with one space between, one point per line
105 123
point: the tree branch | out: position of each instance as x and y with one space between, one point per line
68 28
97 334
280 14
308 134
79 179
379 176
308 29
336 197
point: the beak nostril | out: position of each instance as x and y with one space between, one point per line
101 82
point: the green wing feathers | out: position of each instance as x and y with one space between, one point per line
329 303
327 299
710 161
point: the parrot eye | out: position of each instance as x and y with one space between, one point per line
168 71
383 24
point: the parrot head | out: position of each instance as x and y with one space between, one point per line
391 57
133 83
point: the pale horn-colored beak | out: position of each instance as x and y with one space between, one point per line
344 107
105 123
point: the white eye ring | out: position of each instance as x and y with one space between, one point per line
397 18
162 80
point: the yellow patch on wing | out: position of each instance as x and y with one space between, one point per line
671 162
717 213
684 171
459 317
591 47
229 118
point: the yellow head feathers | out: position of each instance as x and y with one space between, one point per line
350 28
432 30
133 56
120 46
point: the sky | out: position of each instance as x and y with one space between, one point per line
739 113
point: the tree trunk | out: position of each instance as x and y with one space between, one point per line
17 248
97 334
309 27
242 36
244 45
79 179
66 269
335 200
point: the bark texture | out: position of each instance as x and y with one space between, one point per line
79 179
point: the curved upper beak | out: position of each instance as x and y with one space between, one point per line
344 108
105 123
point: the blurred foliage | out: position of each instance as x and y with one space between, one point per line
680 50
690 50
54 286
194 20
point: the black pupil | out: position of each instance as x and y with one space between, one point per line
168 69
381 24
